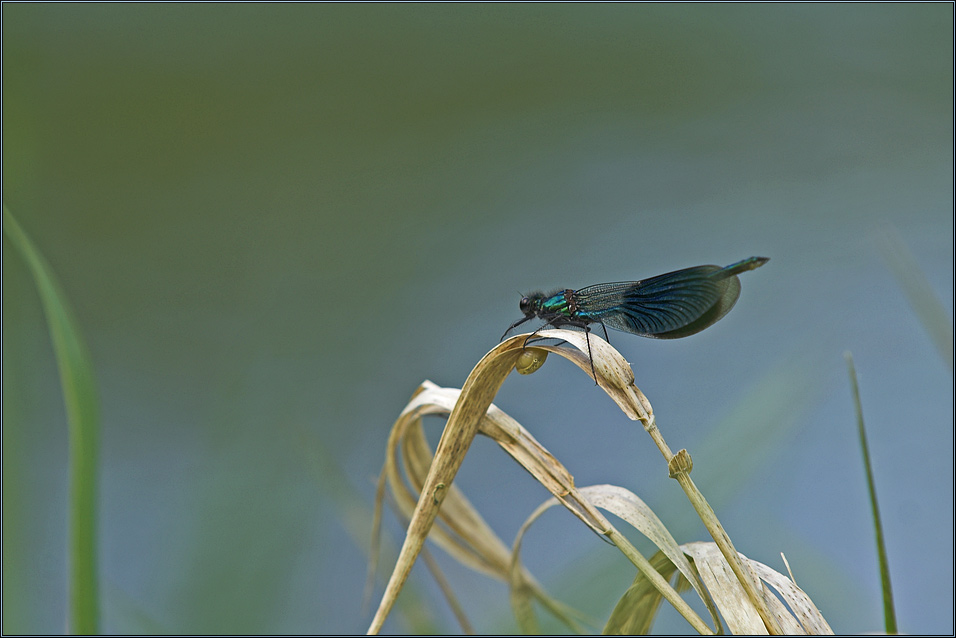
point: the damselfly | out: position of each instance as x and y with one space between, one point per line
677 304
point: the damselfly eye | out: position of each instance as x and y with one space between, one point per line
525 306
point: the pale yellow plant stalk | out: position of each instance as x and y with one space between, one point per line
465 535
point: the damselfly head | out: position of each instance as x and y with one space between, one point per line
530 304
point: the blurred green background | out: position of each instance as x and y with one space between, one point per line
274 221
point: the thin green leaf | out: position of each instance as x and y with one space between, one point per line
82 410
889 610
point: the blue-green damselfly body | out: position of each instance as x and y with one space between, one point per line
670 306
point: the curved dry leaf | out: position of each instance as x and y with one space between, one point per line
614 374
433 480
479 389
463 533
628 506
614 497
736 607
803 609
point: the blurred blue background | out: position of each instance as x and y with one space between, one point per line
275 221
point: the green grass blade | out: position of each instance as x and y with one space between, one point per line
82 409
889 611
